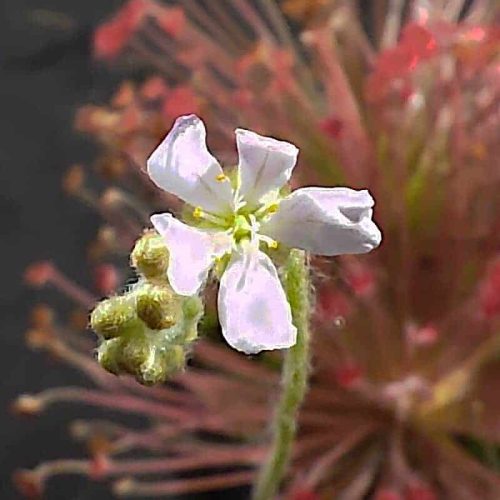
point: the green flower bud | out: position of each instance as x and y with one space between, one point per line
153 372
150 255
111 317
147 355
109 355
136 351
157 306
175 359
152 365
148 330
192 309
161 364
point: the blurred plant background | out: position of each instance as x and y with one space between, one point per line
45 71
400 97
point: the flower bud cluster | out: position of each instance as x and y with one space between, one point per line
147 331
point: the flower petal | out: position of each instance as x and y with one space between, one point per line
190 253
253 309
326 221
182 165
264 164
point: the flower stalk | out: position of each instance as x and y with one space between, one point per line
294 382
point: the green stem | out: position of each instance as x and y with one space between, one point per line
294 382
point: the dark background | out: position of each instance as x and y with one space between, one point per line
45 73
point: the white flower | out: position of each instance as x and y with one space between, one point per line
239 221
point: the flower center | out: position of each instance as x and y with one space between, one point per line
243 224
243 227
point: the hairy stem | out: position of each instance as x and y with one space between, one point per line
294 381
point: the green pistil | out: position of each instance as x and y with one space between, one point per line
242 229
240 224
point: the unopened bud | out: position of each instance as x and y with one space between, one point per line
153 374
150 255
192 309
136 351
109 355
162 364
157 306
175 359
113 316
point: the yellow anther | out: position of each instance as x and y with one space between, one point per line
198 213
273 244
273 208
222 178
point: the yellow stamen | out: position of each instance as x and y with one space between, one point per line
222 178
198 213
273 244
273 208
